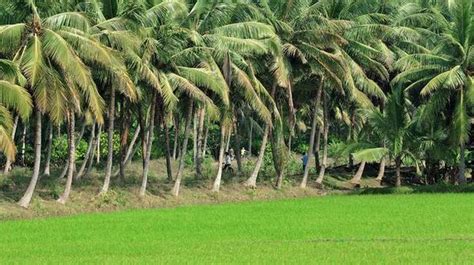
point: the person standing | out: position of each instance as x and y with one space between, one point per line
227 162
305 161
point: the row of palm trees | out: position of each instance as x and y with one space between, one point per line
395 76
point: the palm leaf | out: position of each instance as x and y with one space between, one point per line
15 97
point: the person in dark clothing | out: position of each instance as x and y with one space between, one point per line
227 162
305 161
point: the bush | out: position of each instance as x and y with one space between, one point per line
111 198
208 170
59 151
294 165
267 170
6 184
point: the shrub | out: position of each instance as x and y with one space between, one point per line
111 198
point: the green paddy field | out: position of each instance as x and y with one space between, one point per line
336 229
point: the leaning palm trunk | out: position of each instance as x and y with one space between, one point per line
381 173
358 175
88 154
313 133
25 200
110 142
8 163
252 181
123 143
149 143
65 168
72 158
317 146
130 150
78 140
47 166
176 137
95 144
217 182
322 170
184 147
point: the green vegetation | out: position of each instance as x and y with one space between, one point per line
123 104
382 229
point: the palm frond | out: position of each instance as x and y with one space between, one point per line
15 97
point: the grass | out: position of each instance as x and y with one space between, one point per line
337 229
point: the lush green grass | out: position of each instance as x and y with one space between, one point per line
422 228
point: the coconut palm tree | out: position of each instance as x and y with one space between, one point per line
13 99
395 127
442 68
54 54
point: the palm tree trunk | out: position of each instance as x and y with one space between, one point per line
291 105
78 140
66 166
130 150
310 150
72 157
25 200
23 144
168 151
98 145
64 172
398 164
200 133
322 171
313 133
8 163
195 136
94 145
238 156
252 180
289 143
47 169
176 137
227 142
462 164
381 173
182 154
144 134
250 138
149 143
87 156
81 133
279 179
278 143
358 175
204 145
317 147
217 182
123 143
110 142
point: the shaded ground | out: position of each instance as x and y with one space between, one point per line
124 195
